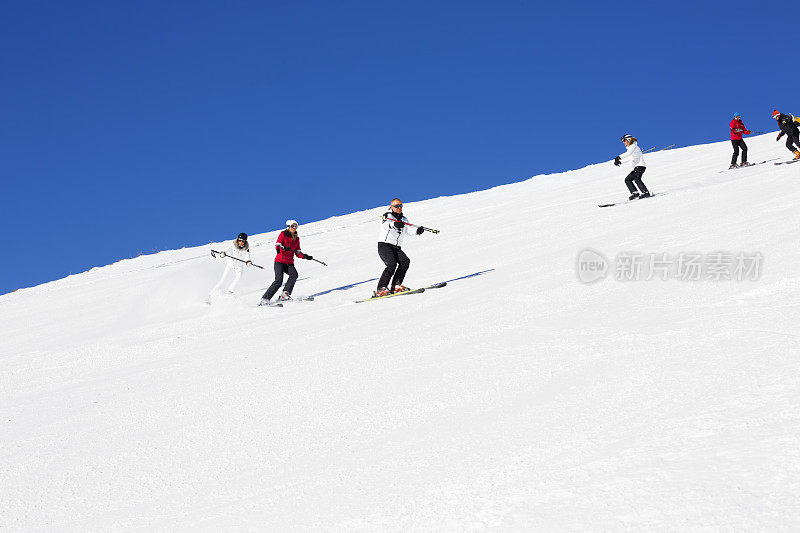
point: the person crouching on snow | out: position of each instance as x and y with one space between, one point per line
287 246
634 179
238 249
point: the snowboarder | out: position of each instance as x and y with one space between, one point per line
238 249
737 130
788 126
393 228
634 179
287 246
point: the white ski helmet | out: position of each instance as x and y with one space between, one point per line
290 223
626 137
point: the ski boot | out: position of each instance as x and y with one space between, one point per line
746 164
633 196
734 166
285 297
797 154
400 288
382 291
645 194
266 303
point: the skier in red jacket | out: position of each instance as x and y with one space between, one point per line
737 130
287 246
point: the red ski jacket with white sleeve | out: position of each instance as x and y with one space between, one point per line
285 241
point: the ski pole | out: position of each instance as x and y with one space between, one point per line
223 254
413 225
667 148
282 247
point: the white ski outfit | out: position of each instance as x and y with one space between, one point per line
391 234
237 266
634 153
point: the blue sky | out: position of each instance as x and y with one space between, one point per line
137 126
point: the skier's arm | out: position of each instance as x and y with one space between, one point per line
389 223
627 154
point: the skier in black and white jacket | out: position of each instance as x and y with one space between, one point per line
634 179
394 227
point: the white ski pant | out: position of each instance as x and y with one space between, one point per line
238 274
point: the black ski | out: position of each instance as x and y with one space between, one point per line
787 162
634 200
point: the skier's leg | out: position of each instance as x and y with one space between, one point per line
388 258
790 142
744 151
794 139
278 267
638 172
238 275
403 263
222 279
292 271
735 152
629 181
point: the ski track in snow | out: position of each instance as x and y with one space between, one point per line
515 400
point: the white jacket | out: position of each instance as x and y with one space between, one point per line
389 233
634 153
239 253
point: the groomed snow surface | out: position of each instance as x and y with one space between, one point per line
520 399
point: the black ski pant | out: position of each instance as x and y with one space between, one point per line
635 177
397 263
792 140
736 144
280 270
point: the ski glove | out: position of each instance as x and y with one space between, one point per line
420 230
398 224
306 256
223 254
617 161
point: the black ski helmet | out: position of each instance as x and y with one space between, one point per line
243 236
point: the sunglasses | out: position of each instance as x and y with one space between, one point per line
398 206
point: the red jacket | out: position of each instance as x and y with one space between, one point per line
737 124
287 256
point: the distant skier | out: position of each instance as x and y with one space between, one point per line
737 130
238 249
788 125
287 246
634 179
393 228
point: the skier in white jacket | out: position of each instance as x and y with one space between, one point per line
238 249
634 179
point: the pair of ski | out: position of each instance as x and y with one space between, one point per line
634 200
404 293
279 303
749 165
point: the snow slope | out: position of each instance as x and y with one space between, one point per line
519 399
